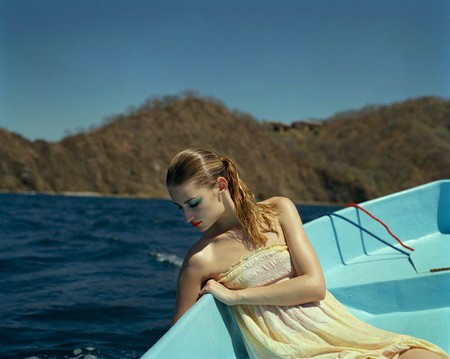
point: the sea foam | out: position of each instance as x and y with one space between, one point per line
167 258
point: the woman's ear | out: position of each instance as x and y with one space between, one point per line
222 183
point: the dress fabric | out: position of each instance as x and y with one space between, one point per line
324 329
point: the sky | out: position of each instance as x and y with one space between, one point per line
67 65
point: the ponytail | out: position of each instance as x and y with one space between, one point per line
256 218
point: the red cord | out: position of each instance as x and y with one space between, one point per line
384 225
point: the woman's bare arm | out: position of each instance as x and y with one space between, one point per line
190 281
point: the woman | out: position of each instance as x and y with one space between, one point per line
257 258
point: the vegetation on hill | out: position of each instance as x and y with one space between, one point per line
380 149
352 156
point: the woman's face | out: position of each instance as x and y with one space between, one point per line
200 205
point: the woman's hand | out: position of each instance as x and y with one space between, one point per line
220 292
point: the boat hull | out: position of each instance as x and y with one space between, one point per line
365 268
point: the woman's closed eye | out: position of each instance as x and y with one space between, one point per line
191 203
194 202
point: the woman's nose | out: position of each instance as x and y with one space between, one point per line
187 215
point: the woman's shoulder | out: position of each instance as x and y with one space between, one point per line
198 256
279 202
207 254
285 209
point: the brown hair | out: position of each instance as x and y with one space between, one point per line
203 167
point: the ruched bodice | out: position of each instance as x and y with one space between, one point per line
322 330
262 267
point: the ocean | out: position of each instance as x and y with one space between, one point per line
90 277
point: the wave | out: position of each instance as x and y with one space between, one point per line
78 353
167 258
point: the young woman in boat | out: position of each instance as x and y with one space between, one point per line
256 258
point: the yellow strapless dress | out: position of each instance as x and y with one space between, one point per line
322 330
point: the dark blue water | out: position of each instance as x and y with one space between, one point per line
87 277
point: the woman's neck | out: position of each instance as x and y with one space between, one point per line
229 219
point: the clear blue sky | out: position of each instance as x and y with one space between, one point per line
67 65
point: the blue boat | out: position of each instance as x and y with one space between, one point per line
394 275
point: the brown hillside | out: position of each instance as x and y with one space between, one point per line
383 149
350 157
129 155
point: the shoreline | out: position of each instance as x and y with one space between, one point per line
125 196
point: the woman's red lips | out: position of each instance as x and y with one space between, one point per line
195 224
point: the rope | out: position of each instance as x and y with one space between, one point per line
382 223
367 231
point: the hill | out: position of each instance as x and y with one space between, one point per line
379 149
350 157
